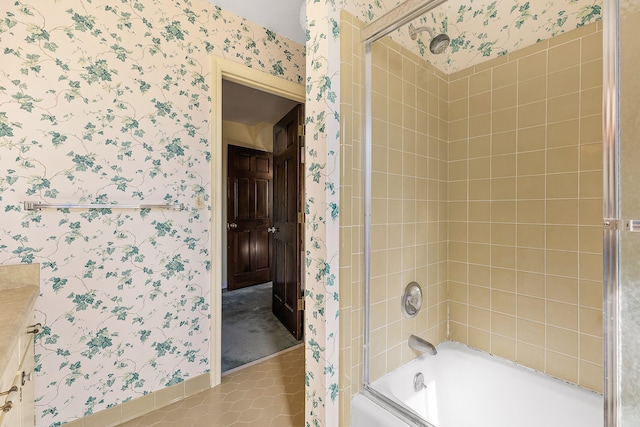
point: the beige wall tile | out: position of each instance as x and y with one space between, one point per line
503 165
504 120
530 236
503 234
480 82
531 187
591 48
479 232
532 284
531 260
479 146
503 302
504 97
479 125
562 263
530 139
504 74
504 188
562 186
562 237
562 341
562 315
503 142
531 332
531 356
590 102
532 66
480 104
503 347
564 56
562 211
564 82
591 376
563 159
562 366
533 114
532 90
591 74
591 321
562 289
504 257
533 211
590 293
563 134
503 325
563 108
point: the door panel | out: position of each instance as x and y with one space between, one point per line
287 210
249 217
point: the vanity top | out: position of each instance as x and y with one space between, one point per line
19 289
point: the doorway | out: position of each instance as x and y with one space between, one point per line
250 83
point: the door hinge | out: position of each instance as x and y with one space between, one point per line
300 218
301 130
302 155
300 304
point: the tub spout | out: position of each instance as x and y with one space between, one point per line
418 344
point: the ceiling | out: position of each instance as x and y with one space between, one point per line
281 16
242 104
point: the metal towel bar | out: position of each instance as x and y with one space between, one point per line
32 206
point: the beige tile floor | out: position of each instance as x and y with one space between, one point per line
268 394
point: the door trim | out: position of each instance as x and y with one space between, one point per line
237 73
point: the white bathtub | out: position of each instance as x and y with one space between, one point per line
468 388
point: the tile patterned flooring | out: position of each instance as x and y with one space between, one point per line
269 393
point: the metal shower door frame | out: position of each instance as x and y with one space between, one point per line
411 9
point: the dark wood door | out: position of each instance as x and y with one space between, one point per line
249 214
288 220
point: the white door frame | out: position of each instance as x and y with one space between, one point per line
237 73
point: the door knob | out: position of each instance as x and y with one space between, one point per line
273 229
231 225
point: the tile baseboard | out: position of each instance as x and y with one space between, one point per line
135 408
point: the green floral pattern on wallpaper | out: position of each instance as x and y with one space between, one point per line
484 29
109 102
479 30
321 215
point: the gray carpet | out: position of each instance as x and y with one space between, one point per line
249 330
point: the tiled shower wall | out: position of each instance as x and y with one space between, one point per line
408 202
525 206
409 190
487 191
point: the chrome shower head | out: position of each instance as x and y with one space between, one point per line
438 43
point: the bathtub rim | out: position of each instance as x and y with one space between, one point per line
397 409
412 418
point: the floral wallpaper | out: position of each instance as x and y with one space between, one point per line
321 214
109 102
483 29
